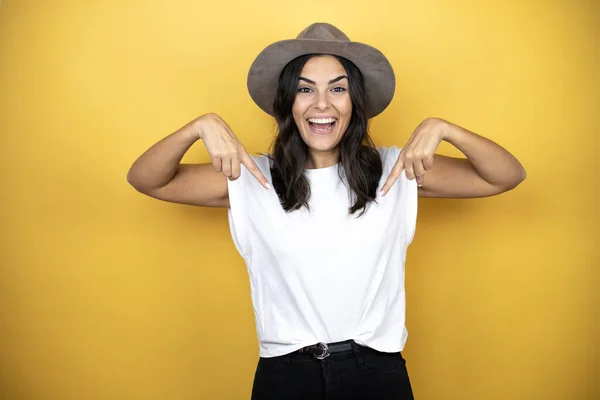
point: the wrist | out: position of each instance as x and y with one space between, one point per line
448 131
196 130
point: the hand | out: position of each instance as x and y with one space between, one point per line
416 156
225 150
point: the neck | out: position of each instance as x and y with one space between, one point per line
322 159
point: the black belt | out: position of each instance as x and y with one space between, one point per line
323 350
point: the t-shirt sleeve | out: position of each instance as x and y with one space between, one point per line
238 218
240 192
405 191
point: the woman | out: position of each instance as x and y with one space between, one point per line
324 222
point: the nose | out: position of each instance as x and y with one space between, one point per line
322 100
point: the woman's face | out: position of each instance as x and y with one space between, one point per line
322 107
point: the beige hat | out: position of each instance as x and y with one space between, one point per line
322 38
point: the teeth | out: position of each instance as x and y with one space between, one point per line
321 120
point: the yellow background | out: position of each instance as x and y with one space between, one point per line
108 294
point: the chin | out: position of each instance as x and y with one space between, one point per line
321 149
321 144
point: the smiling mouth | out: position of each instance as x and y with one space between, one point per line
322 126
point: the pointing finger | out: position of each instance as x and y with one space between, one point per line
249 163
393 177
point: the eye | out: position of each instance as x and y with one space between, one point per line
304 89
339 89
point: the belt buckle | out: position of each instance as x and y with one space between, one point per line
325 352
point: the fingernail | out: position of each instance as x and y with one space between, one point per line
268 186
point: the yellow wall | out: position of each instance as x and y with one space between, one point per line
107 294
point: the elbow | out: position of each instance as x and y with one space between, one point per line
134 180
509 181
131 177
141 182
520 176
517 178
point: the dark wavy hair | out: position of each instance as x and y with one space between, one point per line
359 159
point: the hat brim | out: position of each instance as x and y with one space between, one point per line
263 76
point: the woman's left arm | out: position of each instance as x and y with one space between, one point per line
488 170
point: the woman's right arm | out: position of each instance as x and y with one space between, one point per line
158 172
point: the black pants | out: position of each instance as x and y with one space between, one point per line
360 373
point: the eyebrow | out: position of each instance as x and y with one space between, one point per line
339 78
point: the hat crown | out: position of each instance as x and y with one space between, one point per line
323 31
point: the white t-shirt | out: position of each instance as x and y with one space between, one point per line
324 275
